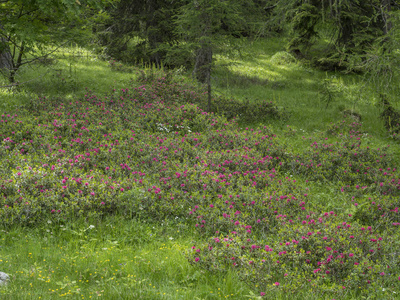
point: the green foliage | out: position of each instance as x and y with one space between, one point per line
322 254
349 28
391 117
304 20
380 62
138 32
179 166
29 30
329 90
172 90
283 58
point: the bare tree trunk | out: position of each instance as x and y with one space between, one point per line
209 89
204 56
386 8
6 60
202 67
18 64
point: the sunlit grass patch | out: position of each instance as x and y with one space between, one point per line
94 261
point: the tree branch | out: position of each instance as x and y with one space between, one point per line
43 56
21 83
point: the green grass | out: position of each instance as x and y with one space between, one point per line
265 72
116 259
66 74
138 259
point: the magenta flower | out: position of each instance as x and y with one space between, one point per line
276 283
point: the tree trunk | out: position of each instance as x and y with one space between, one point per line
18 64
386 9
6 60
204 55
202 67
209 90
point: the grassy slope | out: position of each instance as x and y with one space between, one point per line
66 75
261 73
120 259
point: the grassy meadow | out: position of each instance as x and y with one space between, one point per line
117 184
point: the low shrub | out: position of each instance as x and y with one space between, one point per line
153 152
321 253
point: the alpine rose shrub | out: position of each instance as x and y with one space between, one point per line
153 151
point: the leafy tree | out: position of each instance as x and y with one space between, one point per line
137 30
207 25
381 62
148 30
28 27
350 26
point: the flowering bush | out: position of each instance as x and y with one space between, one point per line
153 151
161 84
320 253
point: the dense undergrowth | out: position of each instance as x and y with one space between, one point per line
154 152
